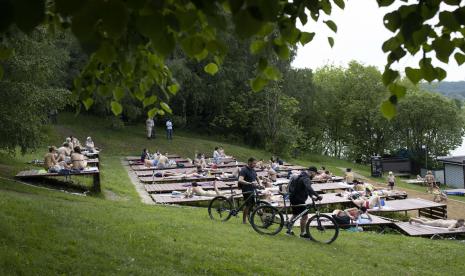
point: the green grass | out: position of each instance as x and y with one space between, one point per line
46 232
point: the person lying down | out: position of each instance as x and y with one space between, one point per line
450 224
196 190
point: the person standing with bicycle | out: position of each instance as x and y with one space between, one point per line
248 182
299 190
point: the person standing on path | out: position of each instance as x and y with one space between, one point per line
430 181
149 124
169 130
391 180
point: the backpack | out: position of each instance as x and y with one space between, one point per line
293 184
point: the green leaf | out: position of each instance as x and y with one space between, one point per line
388 109
384 3
161 112
414 75
174 88
427 70
193 45
258 83
88 103
389 76
282 51
398 90
392 21
306 37
272 73
152 112
391 44
149 101
257 46
116 108
448 20
440 73
165 107
460 58
28 13
211 68
202 55
6 53
331 41
118 93
115 18
106 53
443 48
340 3
331 25
246 25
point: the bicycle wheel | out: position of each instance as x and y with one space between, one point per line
322 228
220 208
258 204
267 220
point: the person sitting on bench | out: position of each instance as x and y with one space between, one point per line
450 224
200 161
64 152
90 144
51 164
78 160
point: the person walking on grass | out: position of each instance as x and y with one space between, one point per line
430 181
248 182
169 130
391 180
299 190
149 124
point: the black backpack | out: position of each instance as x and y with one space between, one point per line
293 184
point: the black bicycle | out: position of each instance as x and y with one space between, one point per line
269 220
222 208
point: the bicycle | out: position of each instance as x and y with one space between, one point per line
269 220
222 208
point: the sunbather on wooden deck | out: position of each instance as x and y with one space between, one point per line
450 224
78 160
198 191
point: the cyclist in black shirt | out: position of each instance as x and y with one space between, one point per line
248 182
302 190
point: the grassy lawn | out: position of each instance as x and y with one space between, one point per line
45 231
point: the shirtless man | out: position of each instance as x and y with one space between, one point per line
369 201
64 152
162 161
450 224
50 162
430 181
78 160
152 162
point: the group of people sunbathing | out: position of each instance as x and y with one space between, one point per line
157 160
219 155
68 156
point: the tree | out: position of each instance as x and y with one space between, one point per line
431 120
31 88
129 41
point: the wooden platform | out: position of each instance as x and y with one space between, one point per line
459 192
330 186
375 221
164 188
184 170
36 174
90 162
154 180
135 158
177 160
425 208
419 230
290 168
169 199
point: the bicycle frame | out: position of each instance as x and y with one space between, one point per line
290 222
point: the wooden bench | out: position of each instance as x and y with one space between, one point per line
91 162
169 187
425 207
35 174
419 230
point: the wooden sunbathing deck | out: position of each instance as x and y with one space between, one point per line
164 188
90 161
183 170
290 168
135 158
149 179
375 221
330 186
169 199
95 173
177 160
419 230
460 192
425 208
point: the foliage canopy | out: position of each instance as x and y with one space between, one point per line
130 40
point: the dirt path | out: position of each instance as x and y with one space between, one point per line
455 208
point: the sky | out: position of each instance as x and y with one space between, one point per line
360 36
